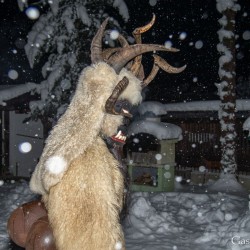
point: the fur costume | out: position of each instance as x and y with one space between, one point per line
77 176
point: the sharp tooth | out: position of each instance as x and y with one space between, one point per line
125 111
118 134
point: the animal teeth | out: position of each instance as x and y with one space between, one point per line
118 134
125 111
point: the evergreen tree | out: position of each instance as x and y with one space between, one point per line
59 43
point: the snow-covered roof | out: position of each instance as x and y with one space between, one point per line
158 108
8 92
160 130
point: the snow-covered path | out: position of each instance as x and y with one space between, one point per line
159 221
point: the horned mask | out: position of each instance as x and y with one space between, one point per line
116 76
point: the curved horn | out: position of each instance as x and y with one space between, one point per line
107 53
138 31
160 63
122 40
123 56
137 35
96 44
151 76
166 66
141 74
110 103
110 51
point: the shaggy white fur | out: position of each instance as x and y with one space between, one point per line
78 177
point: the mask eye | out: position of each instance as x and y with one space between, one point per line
122 104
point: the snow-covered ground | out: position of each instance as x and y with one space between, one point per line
190 218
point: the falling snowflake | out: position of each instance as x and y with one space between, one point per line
183 35
118 245
158 157
136 140
202 168
152 2
228 217
32 13
25 147
195 79
114 34
198 44
56 164
167 175
12 74
168 44
178 178
246 35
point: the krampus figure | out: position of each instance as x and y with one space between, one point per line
78 177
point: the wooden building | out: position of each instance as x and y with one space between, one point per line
201 139
21 142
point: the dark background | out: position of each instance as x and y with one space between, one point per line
198 19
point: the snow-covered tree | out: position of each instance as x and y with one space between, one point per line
59 43
226 88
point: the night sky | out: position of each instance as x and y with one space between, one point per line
199 20
190 25
14 27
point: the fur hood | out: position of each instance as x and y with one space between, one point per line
82 122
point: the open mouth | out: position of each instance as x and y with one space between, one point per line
119 137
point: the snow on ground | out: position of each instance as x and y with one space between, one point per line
12 195
186 219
